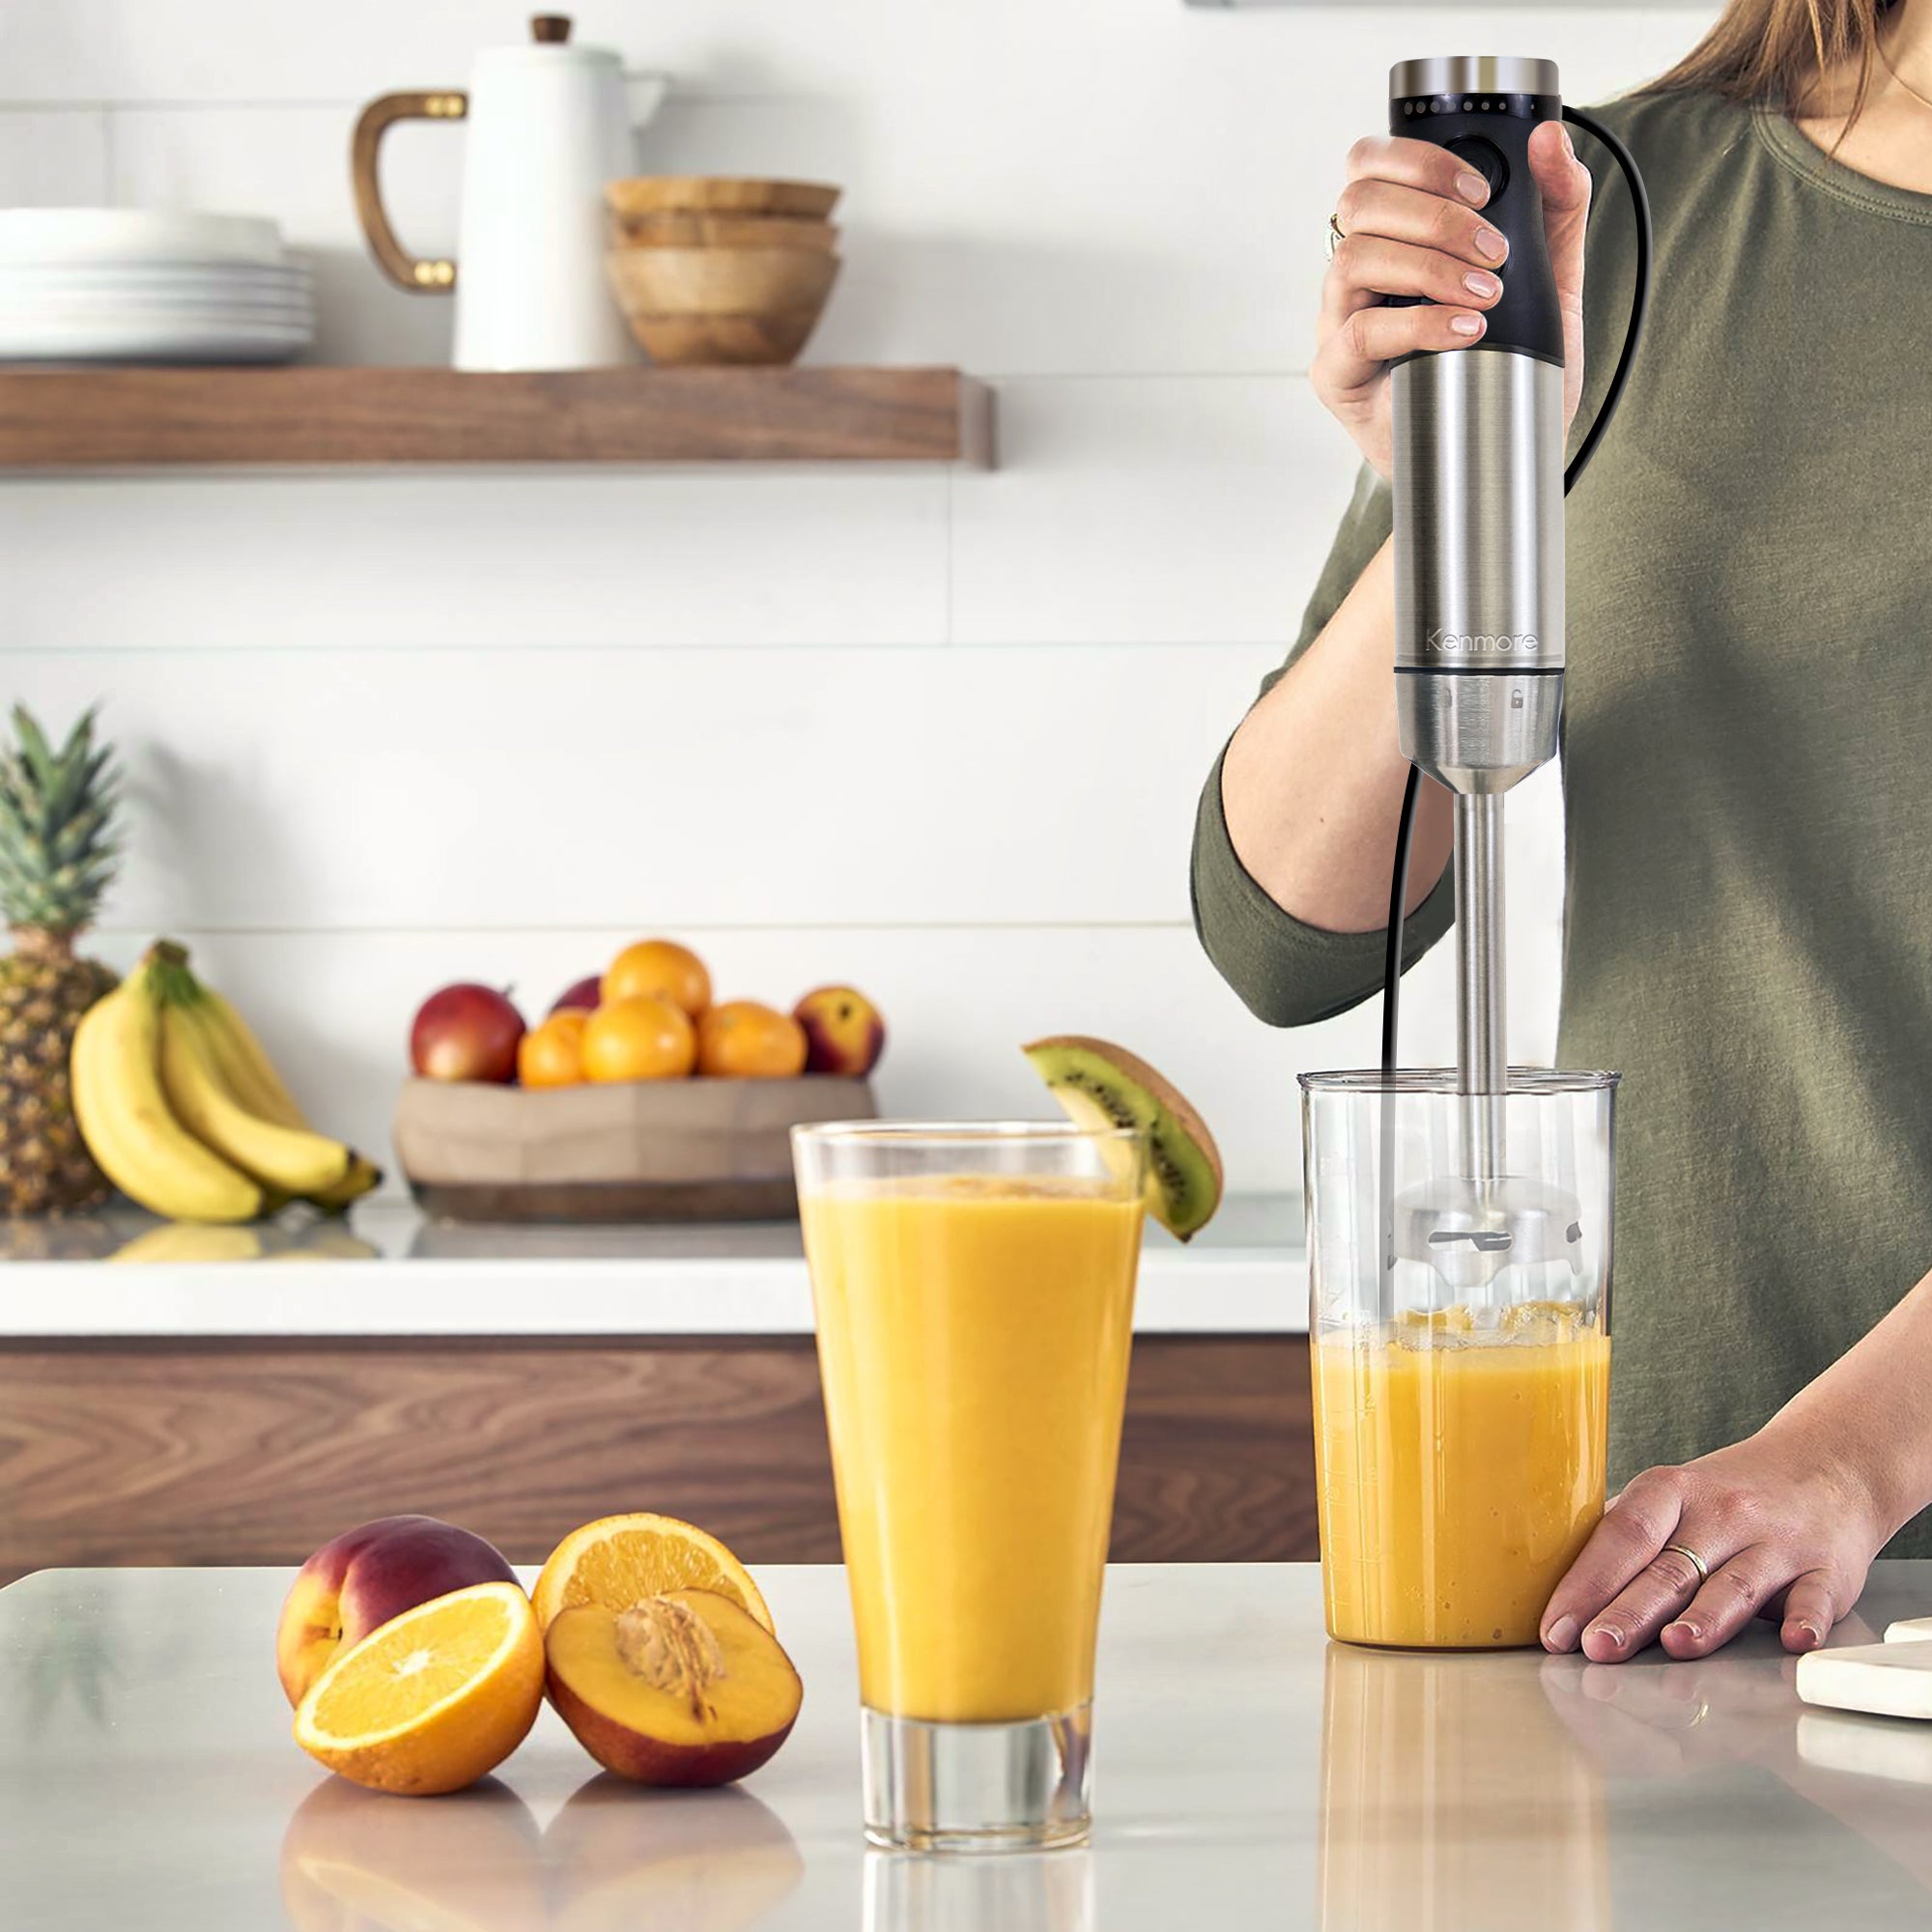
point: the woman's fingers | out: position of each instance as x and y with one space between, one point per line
1634 1615
1351 356
1811 1609
1630 1536
1734 1594
1564 184
1367 267
1422 164
1409 214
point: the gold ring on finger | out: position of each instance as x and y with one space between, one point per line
1692 1558
1335 235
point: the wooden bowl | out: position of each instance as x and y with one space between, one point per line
674 229
697 306
720 194
635 1150
713 341
721 281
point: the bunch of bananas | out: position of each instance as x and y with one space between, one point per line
186 1113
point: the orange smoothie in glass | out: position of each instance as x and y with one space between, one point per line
973 1337
1457 1474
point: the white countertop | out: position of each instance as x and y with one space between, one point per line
397 1274
1249 1774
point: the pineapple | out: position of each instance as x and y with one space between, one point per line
57 856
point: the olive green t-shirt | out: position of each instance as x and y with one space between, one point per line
1747 772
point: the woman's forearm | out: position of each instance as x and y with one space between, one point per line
1312 783
1870 1412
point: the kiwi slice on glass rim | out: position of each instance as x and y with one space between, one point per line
1100 1085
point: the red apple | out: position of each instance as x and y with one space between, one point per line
586 994
467 1032
368 1575
843 1031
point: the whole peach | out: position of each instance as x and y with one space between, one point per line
359 1581
843 1031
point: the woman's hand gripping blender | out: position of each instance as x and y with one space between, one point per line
1313 780
1410 224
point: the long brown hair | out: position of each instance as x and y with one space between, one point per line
1776 50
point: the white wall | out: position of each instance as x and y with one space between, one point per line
938 734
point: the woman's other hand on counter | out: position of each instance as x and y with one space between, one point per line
1781 1525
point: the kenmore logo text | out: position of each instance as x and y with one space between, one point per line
1482 646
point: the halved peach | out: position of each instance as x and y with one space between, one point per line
680 1688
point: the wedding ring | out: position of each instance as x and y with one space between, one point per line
1692 1558
1335 235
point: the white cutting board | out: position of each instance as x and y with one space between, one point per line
1892 1679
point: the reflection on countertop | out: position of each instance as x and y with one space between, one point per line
610 1858
128 1235
383 1269
1524 1793
1033 1891
391 1230
1431 1765
1251 1775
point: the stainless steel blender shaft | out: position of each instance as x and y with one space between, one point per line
1482 1060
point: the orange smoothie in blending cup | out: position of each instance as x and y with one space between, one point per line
973 1332
1459 1472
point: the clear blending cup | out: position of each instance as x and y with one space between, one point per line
1460 1343
974 1288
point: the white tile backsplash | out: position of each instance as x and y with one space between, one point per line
537 558
55 158
938 732
1043 61
398 788
1148 510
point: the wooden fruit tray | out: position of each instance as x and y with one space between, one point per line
641 1150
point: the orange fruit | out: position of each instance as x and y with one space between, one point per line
660 966
620 1560
744 1040
434 1700
552 1055
645 1037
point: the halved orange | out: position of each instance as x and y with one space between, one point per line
434 1700
620 1560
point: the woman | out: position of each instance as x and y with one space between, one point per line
1748 780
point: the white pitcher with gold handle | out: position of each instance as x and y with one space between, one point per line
549 124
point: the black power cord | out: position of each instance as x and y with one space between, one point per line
1612 396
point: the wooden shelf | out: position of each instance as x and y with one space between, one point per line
117 418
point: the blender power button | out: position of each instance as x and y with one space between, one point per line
1485 158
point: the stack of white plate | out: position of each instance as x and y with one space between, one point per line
141 285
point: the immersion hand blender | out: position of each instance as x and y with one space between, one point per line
1479 487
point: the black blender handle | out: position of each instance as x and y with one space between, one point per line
1490 133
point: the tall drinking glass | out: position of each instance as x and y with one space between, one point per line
1459 1260
975 1292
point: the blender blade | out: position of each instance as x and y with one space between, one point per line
1469 1230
